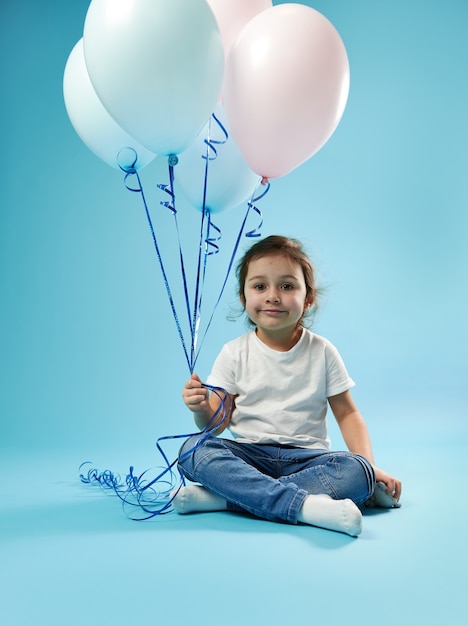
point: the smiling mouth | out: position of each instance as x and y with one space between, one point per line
272 311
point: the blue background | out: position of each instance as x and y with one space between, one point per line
91 366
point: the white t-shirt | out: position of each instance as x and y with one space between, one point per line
281 397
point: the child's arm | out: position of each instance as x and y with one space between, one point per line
204 405
356 436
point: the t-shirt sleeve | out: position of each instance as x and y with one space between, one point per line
338 379
223 371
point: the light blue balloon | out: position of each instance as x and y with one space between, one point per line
93 124
230 181
157 66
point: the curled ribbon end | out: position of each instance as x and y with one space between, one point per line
127 160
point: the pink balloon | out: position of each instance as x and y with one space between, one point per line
286 86
233 15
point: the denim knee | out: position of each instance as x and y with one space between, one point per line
348 475
187 450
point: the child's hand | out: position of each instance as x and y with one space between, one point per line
393 486
196 395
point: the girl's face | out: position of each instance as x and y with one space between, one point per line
275 295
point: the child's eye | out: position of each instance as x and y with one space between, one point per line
259 287
287 287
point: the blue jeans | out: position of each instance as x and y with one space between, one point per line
272 481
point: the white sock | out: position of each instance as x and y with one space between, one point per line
195 498
340 515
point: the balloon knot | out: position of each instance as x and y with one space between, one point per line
172 160
265 180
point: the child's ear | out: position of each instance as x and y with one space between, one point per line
309 301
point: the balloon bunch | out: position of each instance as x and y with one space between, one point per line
152 77
233 92
147 74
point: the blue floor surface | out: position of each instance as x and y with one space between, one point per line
69 556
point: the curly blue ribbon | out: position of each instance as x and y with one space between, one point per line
211 245
154 497
212 143
251 205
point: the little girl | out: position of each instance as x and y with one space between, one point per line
277 383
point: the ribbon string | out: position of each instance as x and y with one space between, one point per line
206 226
129 172
256 232
253 233
144 497
210 142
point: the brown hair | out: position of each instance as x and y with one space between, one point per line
291 249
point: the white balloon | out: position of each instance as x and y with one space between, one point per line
230 180
157 66
93 123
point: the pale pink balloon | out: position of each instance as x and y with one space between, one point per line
233 15
285 88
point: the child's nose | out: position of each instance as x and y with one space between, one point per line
273 296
